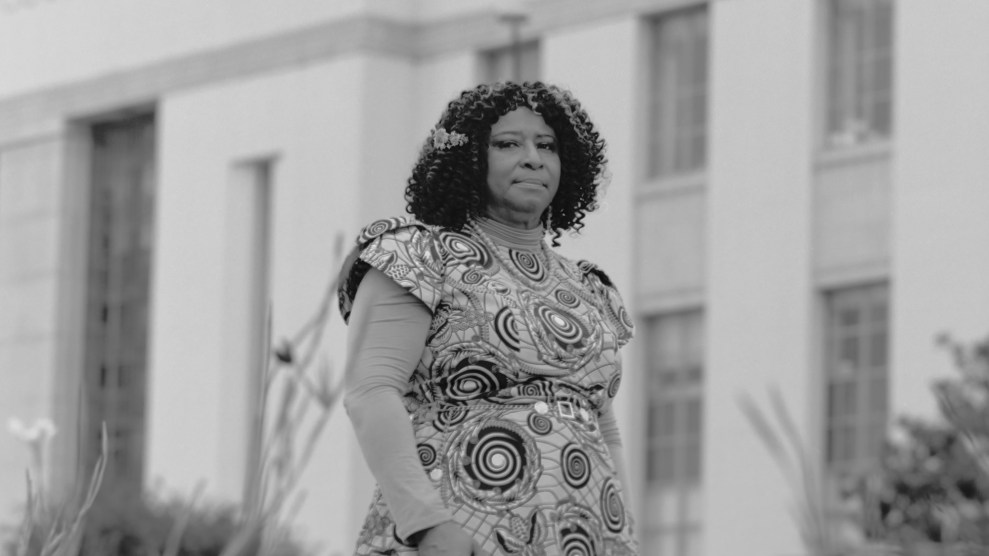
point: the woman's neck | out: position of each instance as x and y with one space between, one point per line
509 236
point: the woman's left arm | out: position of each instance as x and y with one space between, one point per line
613 438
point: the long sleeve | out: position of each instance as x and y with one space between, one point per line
613 438
388 330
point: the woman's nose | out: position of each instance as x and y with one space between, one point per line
530 156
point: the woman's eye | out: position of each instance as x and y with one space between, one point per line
549 146
505 144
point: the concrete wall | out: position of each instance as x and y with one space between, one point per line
66 39
31 226
759 303
852 215
671 233
316 124
940 172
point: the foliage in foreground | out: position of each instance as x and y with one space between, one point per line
933 484
929 489
123 523
293 408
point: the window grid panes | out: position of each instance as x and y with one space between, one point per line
499 64
675 409
678 93
120 253
856 355
860 72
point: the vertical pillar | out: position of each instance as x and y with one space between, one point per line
760 311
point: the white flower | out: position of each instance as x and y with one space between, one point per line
39 431
443 139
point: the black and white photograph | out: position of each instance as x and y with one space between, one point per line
494 277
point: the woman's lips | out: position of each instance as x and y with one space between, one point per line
532 182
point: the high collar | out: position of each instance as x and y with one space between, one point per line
509 236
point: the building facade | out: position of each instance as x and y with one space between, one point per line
795 205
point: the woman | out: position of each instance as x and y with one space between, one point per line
482 364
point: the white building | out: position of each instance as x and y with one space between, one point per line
798 202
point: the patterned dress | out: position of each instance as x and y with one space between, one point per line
521 359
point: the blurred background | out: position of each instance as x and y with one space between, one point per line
797 205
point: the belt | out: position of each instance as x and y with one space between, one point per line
564 408
575 408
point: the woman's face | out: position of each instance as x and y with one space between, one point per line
523 168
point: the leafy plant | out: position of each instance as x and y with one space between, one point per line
45 531
124 523
932 486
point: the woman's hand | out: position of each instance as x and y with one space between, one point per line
448 539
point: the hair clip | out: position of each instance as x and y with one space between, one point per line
443 139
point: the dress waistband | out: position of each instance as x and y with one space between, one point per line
575 407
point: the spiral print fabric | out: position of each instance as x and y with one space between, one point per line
576 466
506 326
567 299
564 328
528 264
540 424
427 455
521 359
450 417
612 507
499 465
378 228
465 250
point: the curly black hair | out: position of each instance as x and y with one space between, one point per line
448 185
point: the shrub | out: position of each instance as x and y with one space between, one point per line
933 484
124 523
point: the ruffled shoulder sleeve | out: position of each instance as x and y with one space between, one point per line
403 249
611 301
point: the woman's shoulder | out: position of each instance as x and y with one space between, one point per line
399 227
401 240
593 273
402 248
587 272
597 281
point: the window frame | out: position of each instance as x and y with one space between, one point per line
867 427
116 350
850 83
684 365
677 146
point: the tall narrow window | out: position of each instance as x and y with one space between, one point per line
121 241
248 262
856 356
678 93
675 410
511 63
860 72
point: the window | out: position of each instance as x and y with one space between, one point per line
119 267
511 63
678 94
860 72
856 361
248 259
675 409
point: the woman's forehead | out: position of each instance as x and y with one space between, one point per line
519 119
